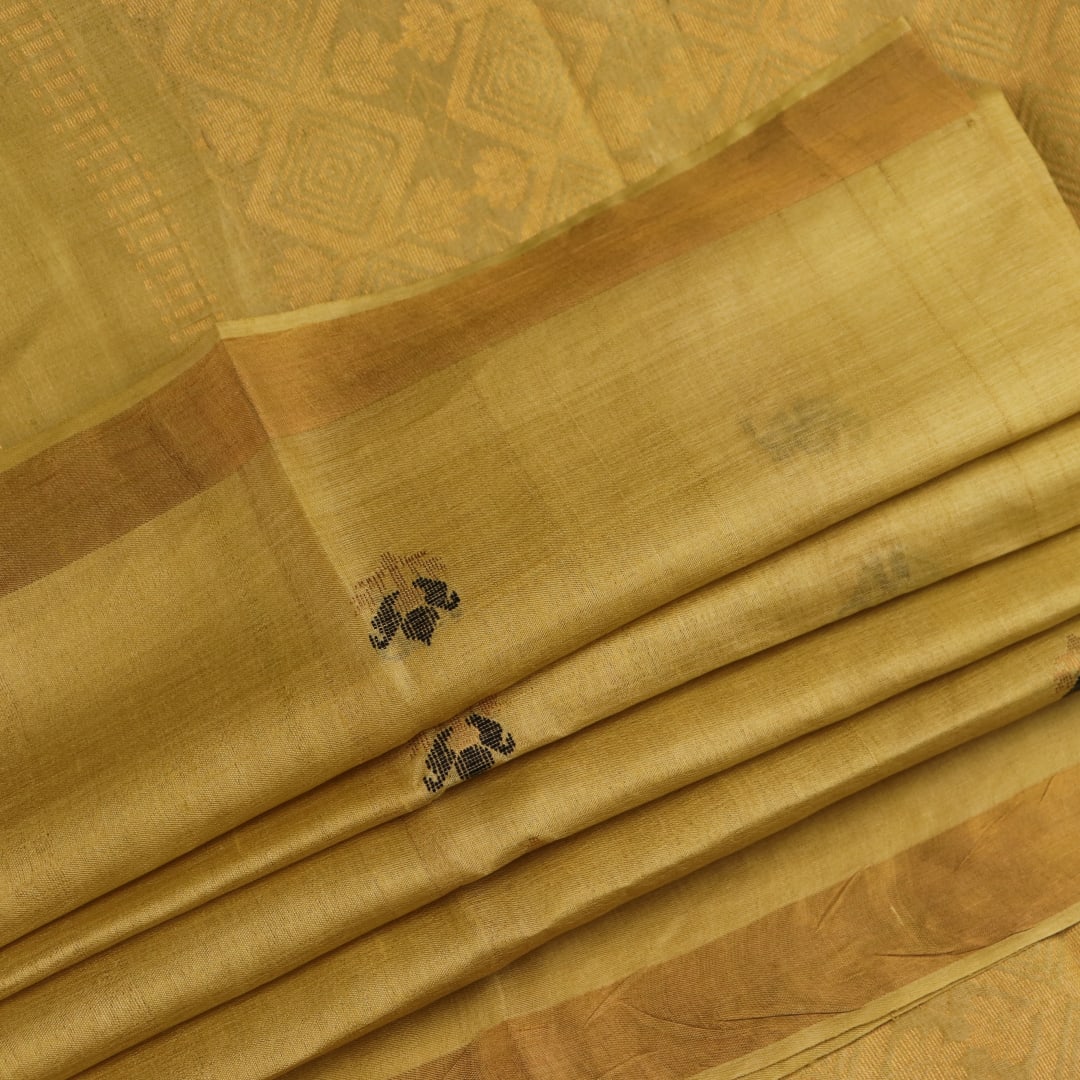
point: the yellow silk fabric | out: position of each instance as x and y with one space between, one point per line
715 525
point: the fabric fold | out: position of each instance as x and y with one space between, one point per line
282 597
247 938
481 927
259 567
907 543
882 924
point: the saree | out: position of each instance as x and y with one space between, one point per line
502 519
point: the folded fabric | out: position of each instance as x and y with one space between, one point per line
230 946
967 517
483 926
663 374
770 957
380 537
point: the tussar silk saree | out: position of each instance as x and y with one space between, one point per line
646 652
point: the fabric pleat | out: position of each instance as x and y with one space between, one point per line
366 662
901 545
269 604
282 554
481 927
227 947
711 954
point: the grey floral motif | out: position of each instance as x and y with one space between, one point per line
886 573
817 425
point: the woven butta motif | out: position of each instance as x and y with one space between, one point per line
647 651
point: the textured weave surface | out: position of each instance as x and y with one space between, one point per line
888 551
776 945
342 539
1018 1020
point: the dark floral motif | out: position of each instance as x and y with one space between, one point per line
417 624
477 757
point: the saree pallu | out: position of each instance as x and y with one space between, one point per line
381 516
188 163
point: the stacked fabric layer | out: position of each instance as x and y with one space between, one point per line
735 521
